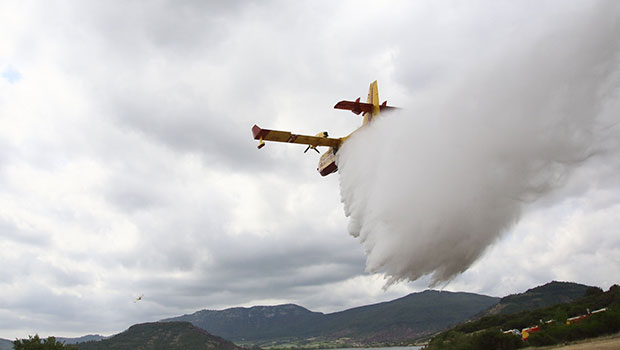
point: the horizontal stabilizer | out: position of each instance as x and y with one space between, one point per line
358 107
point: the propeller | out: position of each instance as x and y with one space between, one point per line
307 148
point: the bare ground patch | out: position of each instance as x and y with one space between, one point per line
603 343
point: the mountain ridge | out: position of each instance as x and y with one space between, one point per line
256 321
402 319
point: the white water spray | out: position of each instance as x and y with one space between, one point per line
429 188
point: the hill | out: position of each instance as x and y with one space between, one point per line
400 320
255 323
82 339
6 344
161 336
549 294
407 318
596 313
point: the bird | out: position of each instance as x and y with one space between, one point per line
138 298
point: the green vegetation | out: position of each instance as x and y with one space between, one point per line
490 339
596 325
485 333
36 343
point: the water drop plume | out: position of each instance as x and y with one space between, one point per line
428 188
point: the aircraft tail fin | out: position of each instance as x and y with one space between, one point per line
370 109
373 99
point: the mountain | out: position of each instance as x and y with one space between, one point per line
549 294
82 339
6 344
258 322
410 317
161 336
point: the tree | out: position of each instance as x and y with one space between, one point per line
36 343
493 339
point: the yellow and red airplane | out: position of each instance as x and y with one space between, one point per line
327 163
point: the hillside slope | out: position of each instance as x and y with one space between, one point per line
410 317
161 336
598 314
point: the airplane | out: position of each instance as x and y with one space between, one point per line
327 163
138 298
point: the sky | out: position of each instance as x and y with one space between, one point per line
127 164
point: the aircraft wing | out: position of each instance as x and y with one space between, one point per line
288 137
